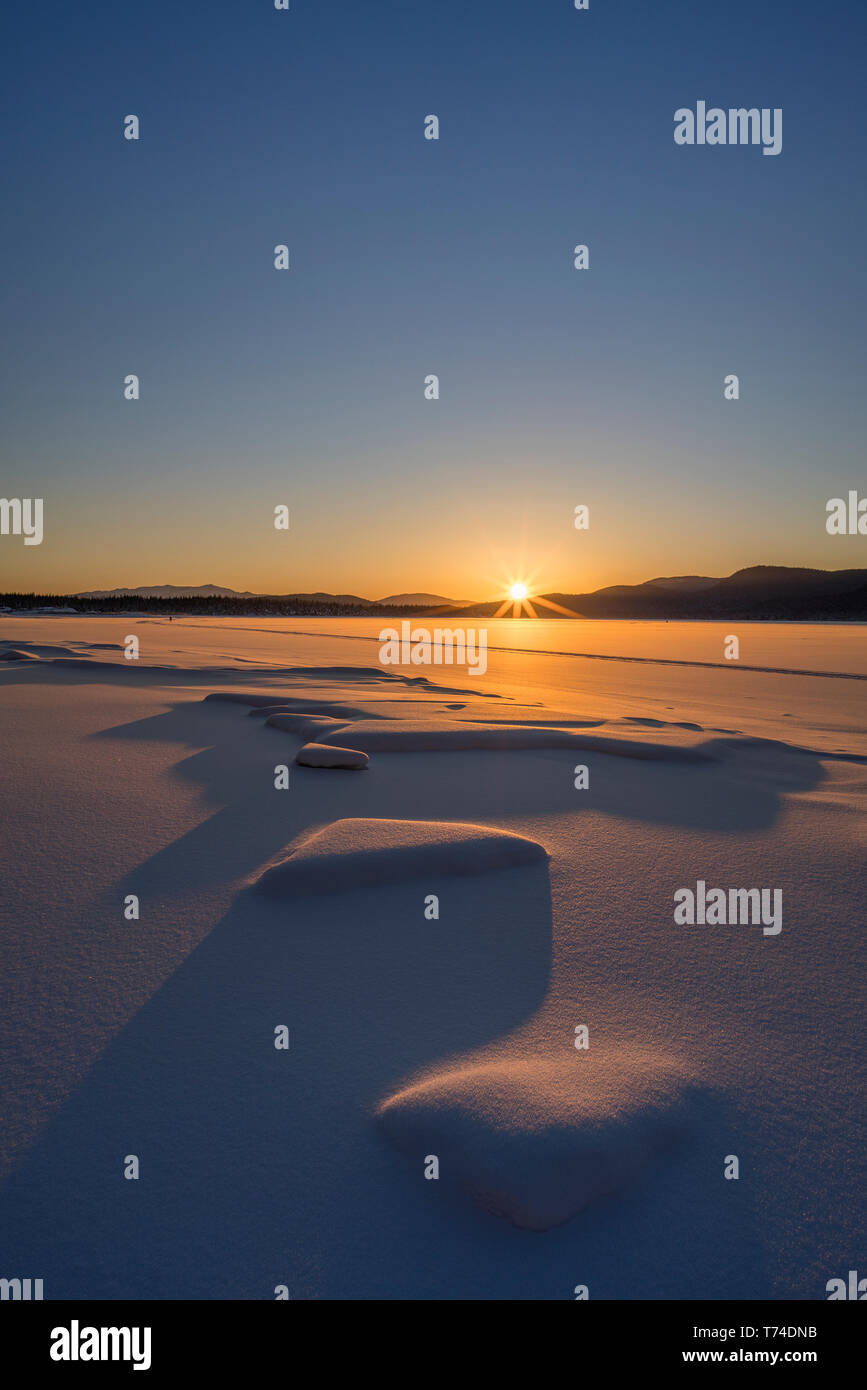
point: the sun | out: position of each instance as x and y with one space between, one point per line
516 601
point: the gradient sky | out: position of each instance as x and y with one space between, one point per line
412 257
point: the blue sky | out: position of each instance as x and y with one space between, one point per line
412 257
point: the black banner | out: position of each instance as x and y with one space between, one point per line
225 1338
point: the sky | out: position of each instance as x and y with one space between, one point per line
408 257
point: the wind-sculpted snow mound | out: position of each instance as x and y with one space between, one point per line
535 1141
235 697
306 726
356 676
318 755
15 654
357 852
446 735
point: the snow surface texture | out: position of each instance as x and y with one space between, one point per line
413 1031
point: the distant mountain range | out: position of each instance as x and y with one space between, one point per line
761 593
422 601
772 592
168 591
217 591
